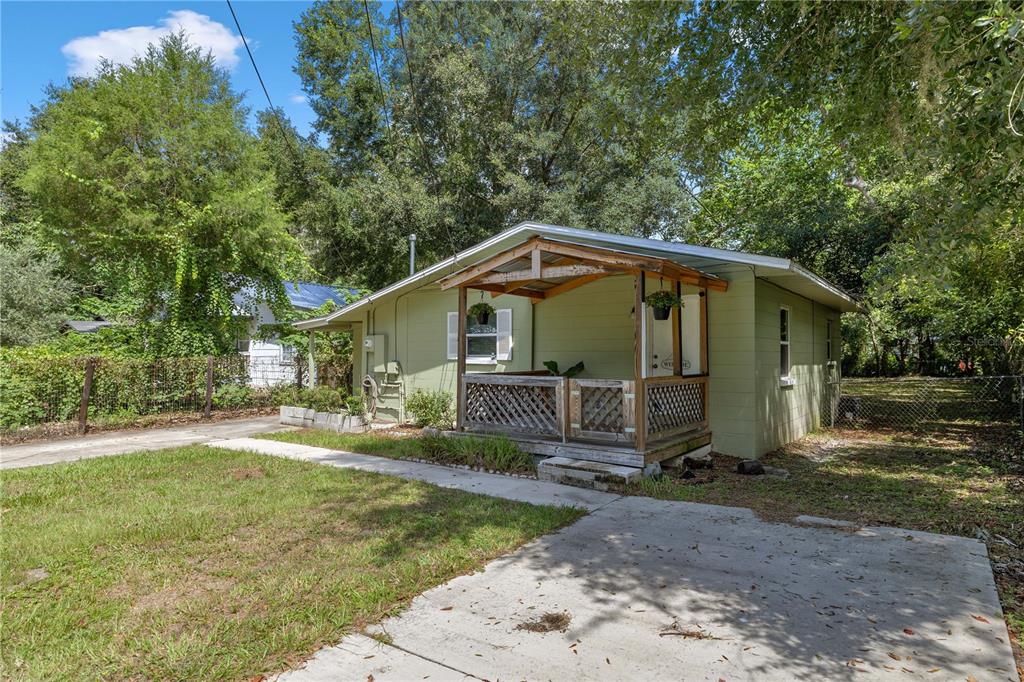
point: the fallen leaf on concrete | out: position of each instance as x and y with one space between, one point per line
894 657
447 608
908 631
981 619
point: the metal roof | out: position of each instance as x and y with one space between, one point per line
782 271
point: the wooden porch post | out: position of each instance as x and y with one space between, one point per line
311 357
639 350
460 371
677 336
703 330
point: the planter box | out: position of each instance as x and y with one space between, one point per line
329 421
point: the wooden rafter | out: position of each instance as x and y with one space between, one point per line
570 285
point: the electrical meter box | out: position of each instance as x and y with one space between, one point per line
375 352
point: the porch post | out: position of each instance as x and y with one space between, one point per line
460 371
703 298
311 357
677 336
639 351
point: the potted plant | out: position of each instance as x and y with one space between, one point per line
481 311
662 302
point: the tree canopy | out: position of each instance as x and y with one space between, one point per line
146 182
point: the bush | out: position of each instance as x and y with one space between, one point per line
431 408
233 396
323 399
355 405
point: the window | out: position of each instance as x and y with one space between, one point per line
288 354
242 345
784 365
485 343
828 340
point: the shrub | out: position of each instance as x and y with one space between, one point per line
323 399
355 405
233 396
431 408
498 454
501 454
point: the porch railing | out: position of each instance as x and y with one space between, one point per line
602 410
675 405
526 405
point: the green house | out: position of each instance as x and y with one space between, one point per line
746 361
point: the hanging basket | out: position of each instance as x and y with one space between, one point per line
662 303
661 313
481 318
481 311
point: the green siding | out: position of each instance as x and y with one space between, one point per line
591 323
787 413
732 408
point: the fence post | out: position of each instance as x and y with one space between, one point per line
1020 403
208 405
83 407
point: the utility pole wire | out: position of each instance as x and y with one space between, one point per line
277 117
376 67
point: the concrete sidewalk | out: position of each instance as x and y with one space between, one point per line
673 590
120 442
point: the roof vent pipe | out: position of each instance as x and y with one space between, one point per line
412 254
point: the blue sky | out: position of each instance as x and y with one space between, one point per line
44 42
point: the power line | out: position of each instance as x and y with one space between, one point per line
376 67
277 117
419 131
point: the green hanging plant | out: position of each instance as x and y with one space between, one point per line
481 311
662 302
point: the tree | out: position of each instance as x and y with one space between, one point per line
33 295
485 114
144 179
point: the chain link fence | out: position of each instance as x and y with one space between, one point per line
992 406
44 396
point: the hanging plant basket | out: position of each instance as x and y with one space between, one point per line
662 303
481 311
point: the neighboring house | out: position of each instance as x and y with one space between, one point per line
271 360
748 364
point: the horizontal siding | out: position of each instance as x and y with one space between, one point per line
732 409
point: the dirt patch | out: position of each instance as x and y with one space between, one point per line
251 472
549 622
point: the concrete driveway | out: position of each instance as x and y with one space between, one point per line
666 590
120 442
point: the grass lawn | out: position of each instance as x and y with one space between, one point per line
196 563
494 454
943 484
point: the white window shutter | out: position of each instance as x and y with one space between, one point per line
504 333
453 336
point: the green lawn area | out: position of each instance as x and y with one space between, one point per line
494 454
943 484
196 563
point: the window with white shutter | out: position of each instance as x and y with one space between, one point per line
485 343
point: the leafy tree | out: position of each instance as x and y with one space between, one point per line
485 114
33 294
145 180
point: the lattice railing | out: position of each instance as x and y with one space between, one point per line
601 409
675 405
530 405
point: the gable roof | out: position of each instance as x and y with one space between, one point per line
782 271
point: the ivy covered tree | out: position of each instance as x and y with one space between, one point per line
145 180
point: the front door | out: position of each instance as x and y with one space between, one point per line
659 340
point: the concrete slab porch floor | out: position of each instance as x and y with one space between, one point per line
659 590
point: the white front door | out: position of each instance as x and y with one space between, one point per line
659 340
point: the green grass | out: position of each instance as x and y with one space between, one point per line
196 563
944 484
495 454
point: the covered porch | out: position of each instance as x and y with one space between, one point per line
658 412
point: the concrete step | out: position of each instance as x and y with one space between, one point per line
585 474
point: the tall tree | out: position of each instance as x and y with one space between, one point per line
483 115
145 180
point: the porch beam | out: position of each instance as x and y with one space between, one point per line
498 290
570 285
470 273
460 371
552 272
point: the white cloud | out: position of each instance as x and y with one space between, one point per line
120 45
297 98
